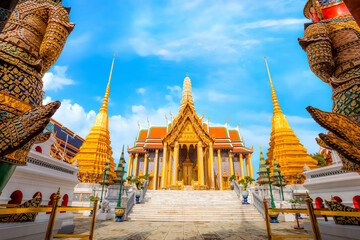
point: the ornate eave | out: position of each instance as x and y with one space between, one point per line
187 115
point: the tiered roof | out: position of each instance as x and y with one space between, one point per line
223 137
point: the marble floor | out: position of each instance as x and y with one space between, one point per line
135 230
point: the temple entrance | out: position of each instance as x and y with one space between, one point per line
188 170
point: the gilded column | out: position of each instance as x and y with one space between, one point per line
156 169
231 169
130 166
247 166
145 164
136 164
175 165
211 169
251 171
242 169
201 164
164 166
220 170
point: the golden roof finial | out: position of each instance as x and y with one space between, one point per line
209 118
227 123
106 97
139 125
276 105
187 91
148 122
172 118
239 124
166 119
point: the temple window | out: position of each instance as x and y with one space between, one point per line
338 199
16 197
38 149
356 201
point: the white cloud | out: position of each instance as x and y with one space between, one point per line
187 29
56 80
277 23
141 91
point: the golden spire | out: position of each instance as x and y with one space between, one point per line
290 153
106 97
275 101
187 92
96 151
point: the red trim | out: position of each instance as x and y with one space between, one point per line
319 202
64 202
356 201
16 197
335 11
338 199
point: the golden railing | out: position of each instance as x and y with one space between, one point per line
53 209
312 216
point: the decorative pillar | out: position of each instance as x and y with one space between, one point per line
164 166
211 169
175 165
130 170
242 169
136 164
231 166
201 164
145 164
220 170
248 172
156 169
171 166
251 170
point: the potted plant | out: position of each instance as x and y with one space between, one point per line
119 213
231 181
91 199
245 182
296 204
138 181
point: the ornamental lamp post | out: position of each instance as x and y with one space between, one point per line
271 195
106 172
120 171
281 185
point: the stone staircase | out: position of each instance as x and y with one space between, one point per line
193 206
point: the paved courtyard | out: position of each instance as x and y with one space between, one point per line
134 230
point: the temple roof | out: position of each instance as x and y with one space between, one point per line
222 137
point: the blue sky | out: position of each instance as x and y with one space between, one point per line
221 43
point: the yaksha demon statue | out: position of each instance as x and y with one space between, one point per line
6 8
30 44
332 44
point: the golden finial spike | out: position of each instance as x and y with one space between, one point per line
276 105
138 125
187 92
227 123
209 118
148 121
106 97
260 148
239 124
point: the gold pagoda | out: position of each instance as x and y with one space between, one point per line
96 149
187 153
290 154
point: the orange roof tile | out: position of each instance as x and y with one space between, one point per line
234 135
218 132
143 135
157 132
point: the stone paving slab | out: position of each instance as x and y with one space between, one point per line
135 230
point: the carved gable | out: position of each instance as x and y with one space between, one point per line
187 128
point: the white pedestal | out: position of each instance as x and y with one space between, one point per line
104 216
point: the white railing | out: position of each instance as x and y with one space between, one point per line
143 191
130 202
237 189
258 203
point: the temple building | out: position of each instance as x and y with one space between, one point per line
96 149
285 146
187 153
